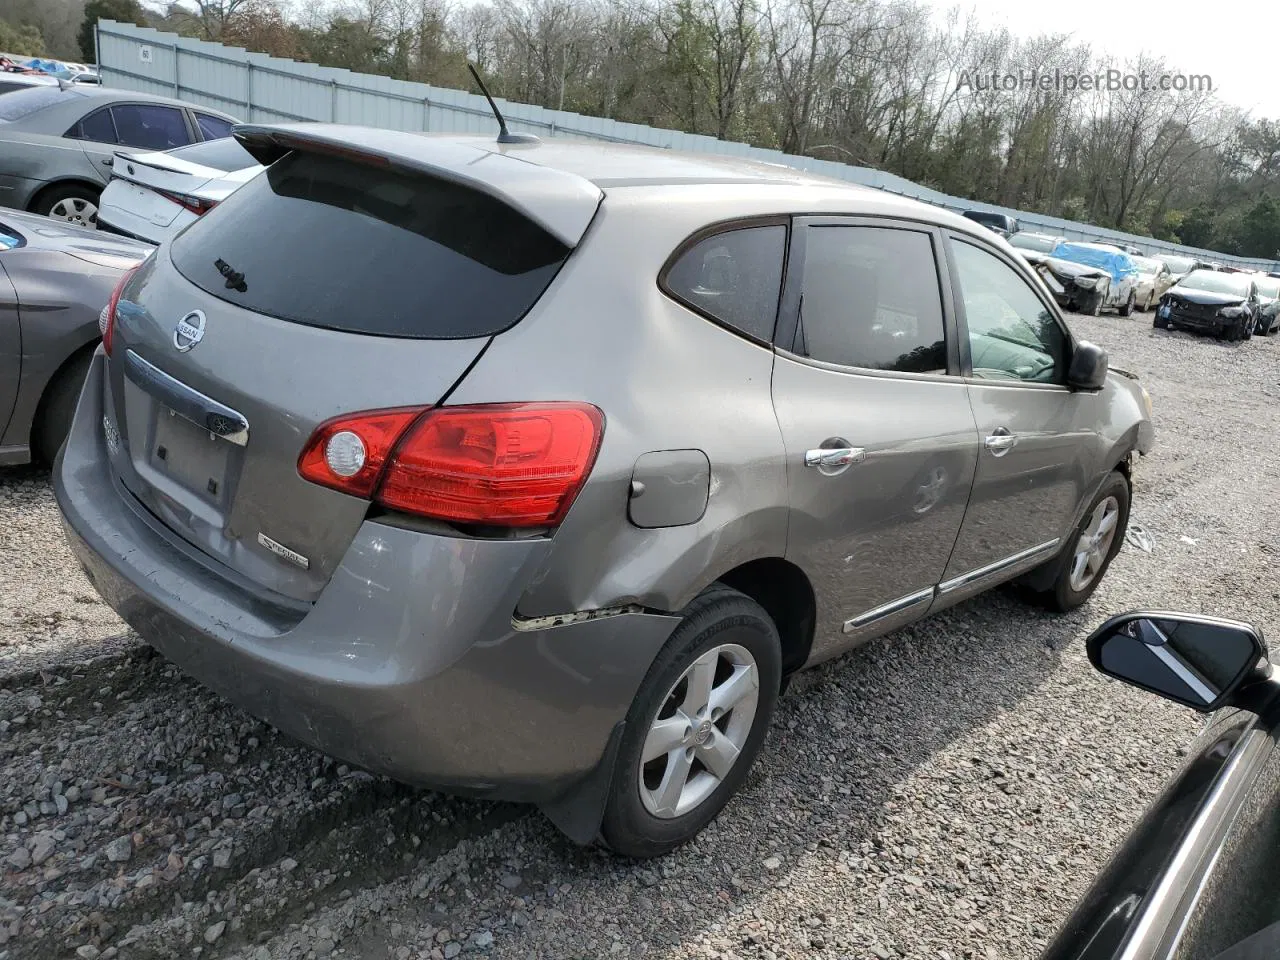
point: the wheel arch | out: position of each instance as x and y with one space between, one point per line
59 184
81 353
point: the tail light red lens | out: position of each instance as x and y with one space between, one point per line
197 205
107 318
510 465
327 460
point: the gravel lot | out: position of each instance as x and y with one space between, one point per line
946 792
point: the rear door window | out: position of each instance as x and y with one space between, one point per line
871 299
150 126
734 277
336 243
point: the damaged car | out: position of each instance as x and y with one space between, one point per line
1091 277
1211 301
1035 247
1154 278
1268 310
517 545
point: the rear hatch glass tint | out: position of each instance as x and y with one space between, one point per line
331 242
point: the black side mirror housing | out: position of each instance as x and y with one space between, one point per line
1199 662
1089 365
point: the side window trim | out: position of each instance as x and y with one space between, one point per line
962 323
715 230
787 329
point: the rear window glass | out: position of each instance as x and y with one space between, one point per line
225 155
213 128
20 103
333 243
734 277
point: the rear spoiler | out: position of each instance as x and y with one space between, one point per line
562 203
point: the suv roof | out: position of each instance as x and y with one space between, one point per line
559 182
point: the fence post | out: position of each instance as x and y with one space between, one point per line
177 87
248 91
333 100
426 114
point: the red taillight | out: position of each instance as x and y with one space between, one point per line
328 459
107 319
510 464
197 205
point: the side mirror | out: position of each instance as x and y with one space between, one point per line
1199 662
1088 370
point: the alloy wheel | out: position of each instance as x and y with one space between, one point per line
1094 544
699 732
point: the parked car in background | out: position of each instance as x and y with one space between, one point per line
152 196
999 223
10 82
451 513
55 280
1196 878
1091 277
57 144
1211 301
1268 308
1179 266
1154 278
1034 247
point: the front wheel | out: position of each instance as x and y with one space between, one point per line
695 726
1146 305
1127 309
1092 546
1094 306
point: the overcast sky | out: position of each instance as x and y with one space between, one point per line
1236 42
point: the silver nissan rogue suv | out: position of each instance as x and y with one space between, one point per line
531 471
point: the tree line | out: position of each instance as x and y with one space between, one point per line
877 83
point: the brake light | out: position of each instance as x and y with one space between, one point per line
508 464
107 318
197 205
348 453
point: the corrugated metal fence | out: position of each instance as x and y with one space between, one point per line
260 88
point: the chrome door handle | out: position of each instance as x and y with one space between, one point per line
1001 441
833 457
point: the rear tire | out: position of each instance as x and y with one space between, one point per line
57 409
1072 586
723 636
71 204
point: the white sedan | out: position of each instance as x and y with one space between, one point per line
152 196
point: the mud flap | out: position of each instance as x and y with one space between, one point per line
579 811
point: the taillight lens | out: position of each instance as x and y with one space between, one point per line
509 465
107 318
197 205
348 453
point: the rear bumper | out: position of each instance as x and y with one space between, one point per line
408 663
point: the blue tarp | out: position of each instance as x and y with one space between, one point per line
1116 262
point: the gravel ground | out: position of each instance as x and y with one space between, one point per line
946 792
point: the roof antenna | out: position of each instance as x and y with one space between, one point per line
504 135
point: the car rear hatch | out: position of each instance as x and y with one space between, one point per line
343 279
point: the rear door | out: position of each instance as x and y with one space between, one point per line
325 286
880 441
1038 439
